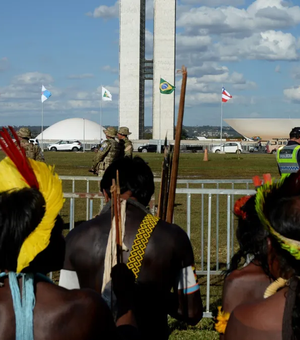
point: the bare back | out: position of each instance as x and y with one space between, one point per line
261 320
60 314
168 251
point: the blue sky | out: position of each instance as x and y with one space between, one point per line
250 47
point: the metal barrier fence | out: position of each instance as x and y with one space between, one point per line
215 206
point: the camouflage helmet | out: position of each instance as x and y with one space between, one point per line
111 132
124 131
24 133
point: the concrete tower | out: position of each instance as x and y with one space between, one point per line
163 67
135 69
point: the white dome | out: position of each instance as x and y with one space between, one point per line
74 128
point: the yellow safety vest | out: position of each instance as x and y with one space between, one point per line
287 159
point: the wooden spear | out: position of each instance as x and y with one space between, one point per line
176 152
115 208
119 240
164 184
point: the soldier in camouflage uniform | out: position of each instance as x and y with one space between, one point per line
122 136
109 151
32 151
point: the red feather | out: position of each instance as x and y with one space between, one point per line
18 156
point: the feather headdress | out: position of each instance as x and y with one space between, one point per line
18 172
267 195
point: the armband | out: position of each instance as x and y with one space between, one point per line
188 281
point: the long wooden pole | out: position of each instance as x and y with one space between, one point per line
175 162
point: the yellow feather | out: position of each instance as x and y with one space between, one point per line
51 188
38 240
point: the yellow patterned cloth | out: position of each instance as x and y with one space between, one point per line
140 243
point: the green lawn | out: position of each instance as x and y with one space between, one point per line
192 166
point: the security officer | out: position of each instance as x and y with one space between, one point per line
109 151
122 136
32 151
288 157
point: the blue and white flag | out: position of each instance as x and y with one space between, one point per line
45 94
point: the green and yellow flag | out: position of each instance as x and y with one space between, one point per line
165 87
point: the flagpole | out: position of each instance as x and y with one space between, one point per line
159 126
101 120
221 128
42 126
83 135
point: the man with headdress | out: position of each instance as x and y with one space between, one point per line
159 253
31 245
288 157
123 134
32 151
109 151
276 316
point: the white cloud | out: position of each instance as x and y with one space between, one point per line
110 12
214 3
268 45
292 94
261 15
80 76
32 78
24 91
192 43
105 12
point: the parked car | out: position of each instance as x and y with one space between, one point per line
253 149
64 145
228 147
95 147
274 144
149 148
34 141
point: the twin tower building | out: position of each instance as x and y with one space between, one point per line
135 69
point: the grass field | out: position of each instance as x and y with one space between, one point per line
219 166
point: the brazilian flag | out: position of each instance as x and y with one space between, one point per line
165 87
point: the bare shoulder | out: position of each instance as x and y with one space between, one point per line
266 315
244 285
83 304
67 309
251 272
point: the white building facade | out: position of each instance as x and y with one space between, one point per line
135 69
163 67
129 63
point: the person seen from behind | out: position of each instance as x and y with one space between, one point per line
109 151
32 245
248 275
277 316
159 254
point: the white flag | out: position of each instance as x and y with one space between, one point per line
106 95
45 94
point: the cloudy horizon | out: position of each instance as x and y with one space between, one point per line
250 47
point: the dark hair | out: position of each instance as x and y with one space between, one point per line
252 239
284 216
21 211
295 133
134 175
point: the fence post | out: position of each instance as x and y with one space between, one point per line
208 255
